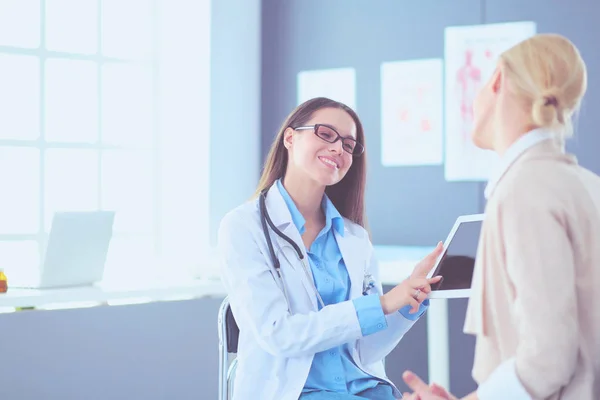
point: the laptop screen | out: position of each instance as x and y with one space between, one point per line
458 261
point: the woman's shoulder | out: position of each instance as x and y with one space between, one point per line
241 217
554 184
536 176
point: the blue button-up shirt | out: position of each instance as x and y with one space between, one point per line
333 369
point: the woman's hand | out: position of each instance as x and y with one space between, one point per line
411 291
422 391
416 288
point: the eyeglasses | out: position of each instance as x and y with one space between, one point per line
330 135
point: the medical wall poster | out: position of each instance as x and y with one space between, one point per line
471 54
411 113
338 84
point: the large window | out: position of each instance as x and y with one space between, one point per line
104 106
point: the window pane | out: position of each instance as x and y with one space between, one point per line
127 100
71 181
127 28
20 183
20 23
72 26
184 204
128 188
19 97
184 134
71 101
21 261
130 260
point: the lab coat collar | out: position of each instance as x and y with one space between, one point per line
351 246
297 216
282 218
277 209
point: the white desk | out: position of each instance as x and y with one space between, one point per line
97 295
397 262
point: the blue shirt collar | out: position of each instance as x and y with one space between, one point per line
332 215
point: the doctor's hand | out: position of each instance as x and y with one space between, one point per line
412 291
416 288
426 264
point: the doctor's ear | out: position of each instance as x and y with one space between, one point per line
288 138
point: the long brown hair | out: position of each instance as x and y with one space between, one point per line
348 195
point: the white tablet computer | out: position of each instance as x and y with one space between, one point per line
457 261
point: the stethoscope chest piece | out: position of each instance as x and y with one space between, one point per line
368 284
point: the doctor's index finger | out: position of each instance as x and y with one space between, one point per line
427 263
424 284
436 252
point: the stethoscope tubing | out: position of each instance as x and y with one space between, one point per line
266 220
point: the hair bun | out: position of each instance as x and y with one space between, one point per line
546 110
551 97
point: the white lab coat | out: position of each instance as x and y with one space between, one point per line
277 342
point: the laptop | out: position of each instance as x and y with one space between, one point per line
457 261
76 250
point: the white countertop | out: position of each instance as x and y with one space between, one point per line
395 264
87 296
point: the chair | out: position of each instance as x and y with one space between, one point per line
229 334
228 345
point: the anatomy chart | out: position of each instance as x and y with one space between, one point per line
471 54
411 112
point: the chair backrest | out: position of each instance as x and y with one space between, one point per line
232 330
228 344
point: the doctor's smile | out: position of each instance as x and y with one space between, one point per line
329 162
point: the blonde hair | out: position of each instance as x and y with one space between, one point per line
548 72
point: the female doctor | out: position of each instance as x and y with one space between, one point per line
298 267
535 304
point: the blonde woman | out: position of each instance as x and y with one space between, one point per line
535 307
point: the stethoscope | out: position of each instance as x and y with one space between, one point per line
368 281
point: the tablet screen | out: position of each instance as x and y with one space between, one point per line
458 261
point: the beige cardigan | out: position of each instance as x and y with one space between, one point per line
536 286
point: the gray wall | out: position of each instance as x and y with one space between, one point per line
412 205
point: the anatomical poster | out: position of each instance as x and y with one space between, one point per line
411 113
471 55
